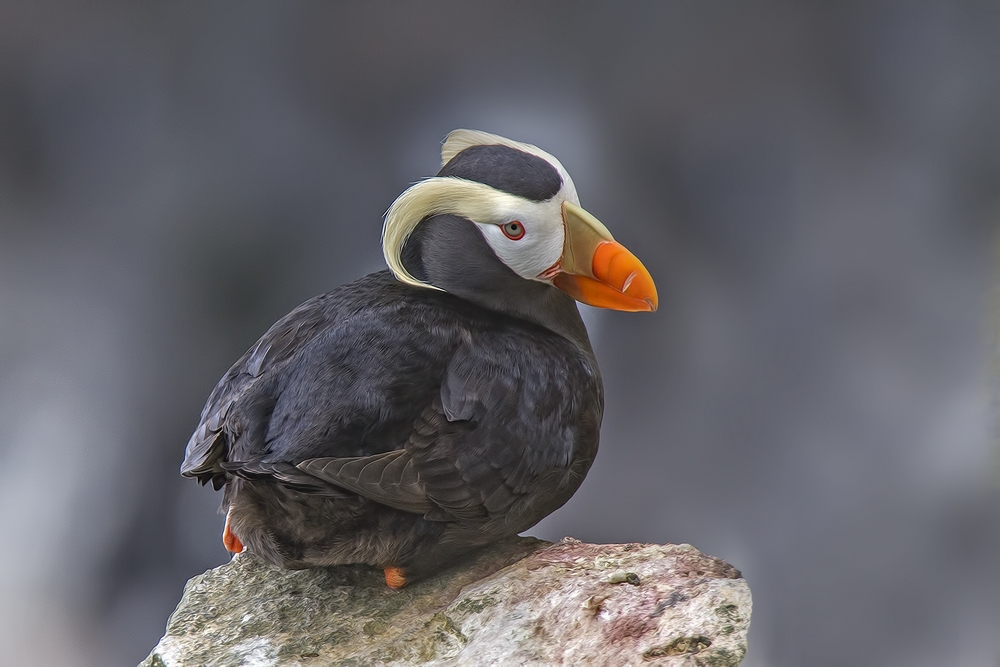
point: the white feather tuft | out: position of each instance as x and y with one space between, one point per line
456 196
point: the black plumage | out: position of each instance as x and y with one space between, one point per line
506 169
400 426
490 423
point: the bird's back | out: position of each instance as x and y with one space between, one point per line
348 373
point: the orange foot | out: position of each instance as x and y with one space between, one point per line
395 578
233 544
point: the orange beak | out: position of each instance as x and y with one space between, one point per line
597 270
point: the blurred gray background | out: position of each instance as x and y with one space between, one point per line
814 186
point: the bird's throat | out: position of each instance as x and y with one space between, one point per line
449 252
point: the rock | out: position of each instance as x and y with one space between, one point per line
517 602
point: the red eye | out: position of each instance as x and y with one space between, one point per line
513 230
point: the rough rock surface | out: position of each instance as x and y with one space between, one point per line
518 602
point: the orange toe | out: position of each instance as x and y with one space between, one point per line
394 577
233 544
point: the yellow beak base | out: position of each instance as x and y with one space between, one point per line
599 271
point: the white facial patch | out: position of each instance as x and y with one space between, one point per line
539 248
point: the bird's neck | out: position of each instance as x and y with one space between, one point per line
448 252
540 304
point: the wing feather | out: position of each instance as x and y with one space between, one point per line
387 478
209 446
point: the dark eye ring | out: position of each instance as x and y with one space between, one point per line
513 230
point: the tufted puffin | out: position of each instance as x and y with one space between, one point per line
450 401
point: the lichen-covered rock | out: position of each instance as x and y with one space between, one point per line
518 602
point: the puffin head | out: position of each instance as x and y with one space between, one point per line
501 216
